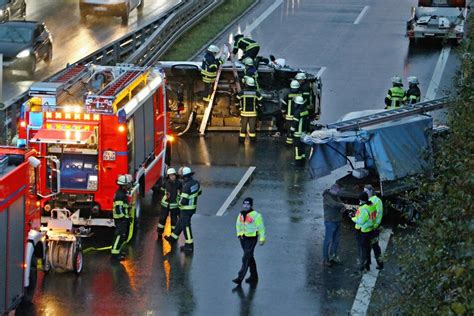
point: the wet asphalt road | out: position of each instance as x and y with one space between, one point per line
73 40
158 280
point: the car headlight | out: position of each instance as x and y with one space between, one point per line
24 53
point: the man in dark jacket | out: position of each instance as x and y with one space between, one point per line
333 210
171 188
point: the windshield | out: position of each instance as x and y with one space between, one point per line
15 34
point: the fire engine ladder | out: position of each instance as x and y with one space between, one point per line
123 86
71 80
390 115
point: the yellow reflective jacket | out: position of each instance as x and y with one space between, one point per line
250 226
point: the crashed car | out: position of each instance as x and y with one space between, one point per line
186 91
443 20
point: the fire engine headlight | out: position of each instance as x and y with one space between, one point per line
121 128
24 53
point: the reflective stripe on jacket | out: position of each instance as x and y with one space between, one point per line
395 97
209 67
250 226
189 196
362 219
288 101
249 102
120 206
378 206
245 44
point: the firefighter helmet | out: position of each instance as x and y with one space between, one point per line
413 80
294 84
35 104
248 61
250 82
187 171
298 100
170 171
300 76
213 49
397 80
123 180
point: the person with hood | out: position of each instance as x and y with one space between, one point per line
333 210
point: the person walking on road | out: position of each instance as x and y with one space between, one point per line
187 202
249 104
377 220
121 217
333 210
249 47
364 227
395 95
250 230
171 189
413 94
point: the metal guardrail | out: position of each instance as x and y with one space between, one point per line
141 47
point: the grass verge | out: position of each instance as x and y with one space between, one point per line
207 29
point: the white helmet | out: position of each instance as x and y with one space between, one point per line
250 82
170 171
397 80
413 80
294 84
213 49
298 100
248 61
300 76
187 171
124 179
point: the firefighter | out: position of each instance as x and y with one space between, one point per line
287 109
413 94
376 216
121 217
298 127
171 188
249 47
395 94
249 103
250 230
187 201
364 227
250 71
306 87
209 67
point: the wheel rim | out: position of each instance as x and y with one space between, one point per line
78 262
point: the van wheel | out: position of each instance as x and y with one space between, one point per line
125 17
33 276
78 262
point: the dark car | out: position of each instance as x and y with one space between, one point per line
24 44
12 8
121 8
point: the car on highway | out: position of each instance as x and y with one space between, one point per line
24 44
120 8
12 9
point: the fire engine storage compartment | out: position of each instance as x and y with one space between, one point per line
391 152
12 233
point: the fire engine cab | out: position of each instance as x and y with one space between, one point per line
97 122
21 241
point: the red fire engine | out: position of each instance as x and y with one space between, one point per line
98 122
21 242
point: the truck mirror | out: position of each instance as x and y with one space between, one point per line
34 162
55 174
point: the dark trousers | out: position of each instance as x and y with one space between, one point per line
165 211
299 147
376 246
364 243
120 235
184 225
251 122
248 261
331 239
279 121
252 53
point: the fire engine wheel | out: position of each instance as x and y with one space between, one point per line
30 289
78 262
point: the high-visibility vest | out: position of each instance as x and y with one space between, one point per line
377 212
396 96
251 226
362 219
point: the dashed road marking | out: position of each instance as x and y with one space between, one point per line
438 73
367 283
236 191
320 72
361 14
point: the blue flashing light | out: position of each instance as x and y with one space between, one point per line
122 116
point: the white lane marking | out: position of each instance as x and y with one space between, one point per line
320 72
236 191
367 283
361 14
438 73
262 17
